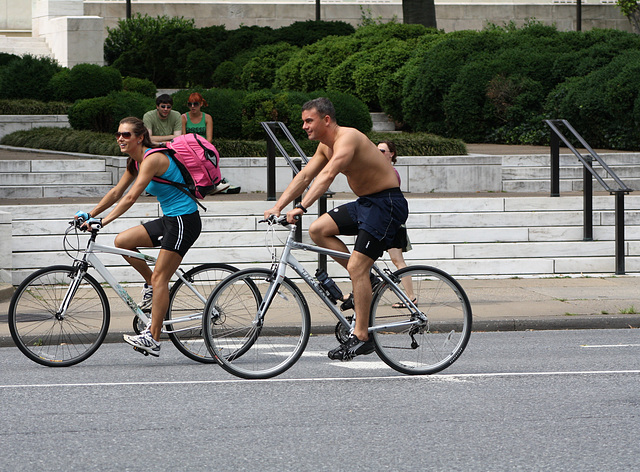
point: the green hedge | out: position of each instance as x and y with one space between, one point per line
33 107
70 140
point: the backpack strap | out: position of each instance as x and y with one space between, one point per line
184 188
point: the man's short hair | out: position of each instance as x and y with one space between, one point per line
323 105
164 98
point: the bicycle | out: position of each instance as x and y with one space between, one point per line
60 315
263 315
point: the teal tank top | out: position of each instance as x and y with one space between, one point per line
199 128
173 201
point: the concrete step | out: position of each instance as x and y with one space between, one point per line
476 236
24 45
382 122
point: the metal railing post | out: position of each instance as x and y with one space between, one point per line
587 195
271 169
620 252
589 173
554 142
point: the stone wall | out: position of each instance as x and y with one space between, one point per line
11 123
451 16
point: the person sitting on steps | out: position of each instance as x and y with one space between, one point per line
196 121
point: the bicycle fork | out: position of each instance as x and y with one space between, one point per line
79 272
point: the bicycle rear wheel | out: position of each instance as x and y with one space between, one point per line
245 346
429 345
48 338
186 308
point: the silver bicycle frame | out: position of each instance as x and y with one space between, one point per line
92 259
288 259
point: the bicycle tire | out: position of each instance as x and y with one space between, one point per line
242 346
435 344
50 341
183 302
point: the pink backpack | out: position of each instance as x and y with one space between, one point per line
198 161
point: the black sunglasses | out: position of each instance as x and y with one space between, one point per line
165 107
125 135
193 104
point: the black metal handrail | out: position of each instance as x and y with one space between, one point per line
270 127
588 174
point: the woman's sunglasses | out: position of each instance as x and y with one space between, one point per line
125 134
383 150
193 104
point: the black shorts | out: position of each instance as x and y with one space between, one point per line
374 218
175 233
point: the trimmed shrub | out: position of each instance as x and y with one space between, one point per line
227 75
85 81
33 107
302 33
103 114
138 47
5 58
70 140
308 69
28 77
142 86
260 71
65 140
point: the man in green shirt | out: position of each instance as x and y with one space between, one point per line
163 123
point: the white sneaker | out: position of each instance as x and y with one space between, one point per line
144 343
147 296
220 187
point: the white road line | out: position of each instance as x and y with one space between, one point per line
609 345
437 377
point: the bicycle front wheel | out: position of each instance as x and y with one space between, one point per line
242 343
49 337
426 341
184 316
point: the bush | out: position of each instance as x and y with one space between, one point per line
103 114
5 58
85 81
65 140
350 111
308 69
138 47
33 107
69 140
265 105
28 77
260 71
142 86
302 33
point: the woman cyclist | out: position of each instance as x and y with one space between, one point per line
175 232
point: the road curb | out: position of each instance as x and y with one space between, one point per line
519 324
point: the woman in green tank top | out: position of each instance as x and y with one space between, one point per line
194 121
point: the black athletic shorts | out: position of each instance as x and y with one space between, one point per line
374 220
175 233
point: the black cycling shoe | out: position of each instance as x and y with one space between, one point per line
352 348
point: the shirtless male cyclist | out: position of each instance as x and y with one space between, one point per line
373 218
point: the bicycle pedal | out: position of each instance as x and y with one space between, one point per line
141 351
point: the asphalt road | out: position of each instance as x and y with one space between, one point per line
541 400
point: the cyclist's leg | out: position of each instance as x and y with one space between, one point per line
132 239
166 265
359 267
324 232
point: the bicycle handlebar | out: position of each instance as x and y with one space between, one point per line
273 219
